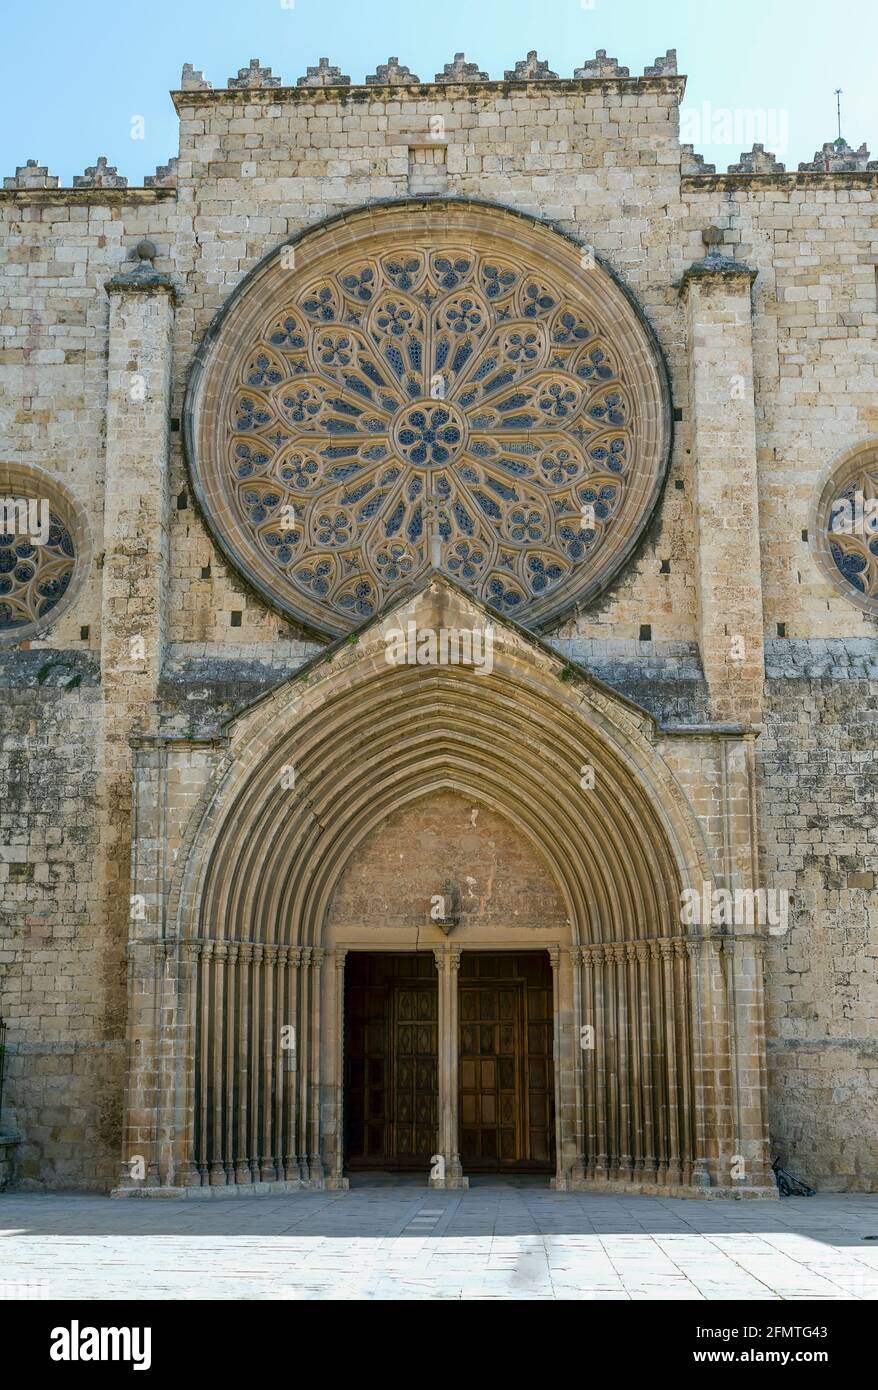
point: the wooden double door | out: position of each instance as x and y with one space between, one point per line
506 1118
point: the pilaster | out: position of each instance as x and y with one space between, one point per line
717 296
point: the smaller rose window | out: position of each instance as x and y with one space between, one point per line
37 559
845 528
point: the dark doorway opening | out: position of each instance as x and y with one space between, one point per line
505 1068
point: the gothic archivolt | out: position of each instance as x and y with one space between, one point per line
426 385
254 940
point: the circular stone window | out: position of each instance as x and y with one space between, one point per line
843 525
43 552
427 383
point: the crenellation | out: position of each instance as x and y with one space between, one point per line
391 74
165 176
253 76
602 66
693 163
31 175
461 71
837 157
100 175
663 67
529 69
757 161
192 80
324 75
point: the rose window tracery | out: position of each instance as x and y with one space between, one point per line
852 531
37 558
428 394
843 524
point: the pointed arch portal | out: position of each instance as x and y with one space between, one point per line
649 1018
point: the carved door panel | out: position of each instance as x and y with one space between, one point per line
415 1073
506 1070
391 1071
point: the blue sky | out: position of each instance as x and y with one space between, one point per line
76 75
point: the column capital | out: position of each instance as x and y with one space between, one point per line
718 270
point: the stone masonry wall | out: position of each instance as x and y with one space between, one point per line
819 805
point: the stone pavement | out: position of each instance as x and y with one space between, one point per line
395 1239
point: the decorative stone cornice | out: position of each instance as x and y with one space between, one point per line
254 76
757 161
461 71
837 157
100 175
393 73
31 175
324 75
88 197
142 278
321 82
787 181
530 69
602 66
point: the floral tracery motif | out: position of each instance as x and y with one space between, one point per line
35 568
852 532
440 398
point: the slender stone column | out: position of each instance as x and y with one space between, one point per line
561 1180
270 1051
217 1093
304 1054
337 1178
316 1161
647 1091
698 1027
290 1076
581 1043
448 967
242 1166
716 292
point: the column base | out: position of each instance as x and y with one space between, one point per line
695 1191
449 1184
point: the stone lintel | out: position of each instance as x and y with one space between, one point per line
718 730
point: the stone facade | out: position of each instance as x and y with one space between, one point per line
758 287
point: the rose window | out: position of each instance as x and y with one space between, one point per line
421 394
37 559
